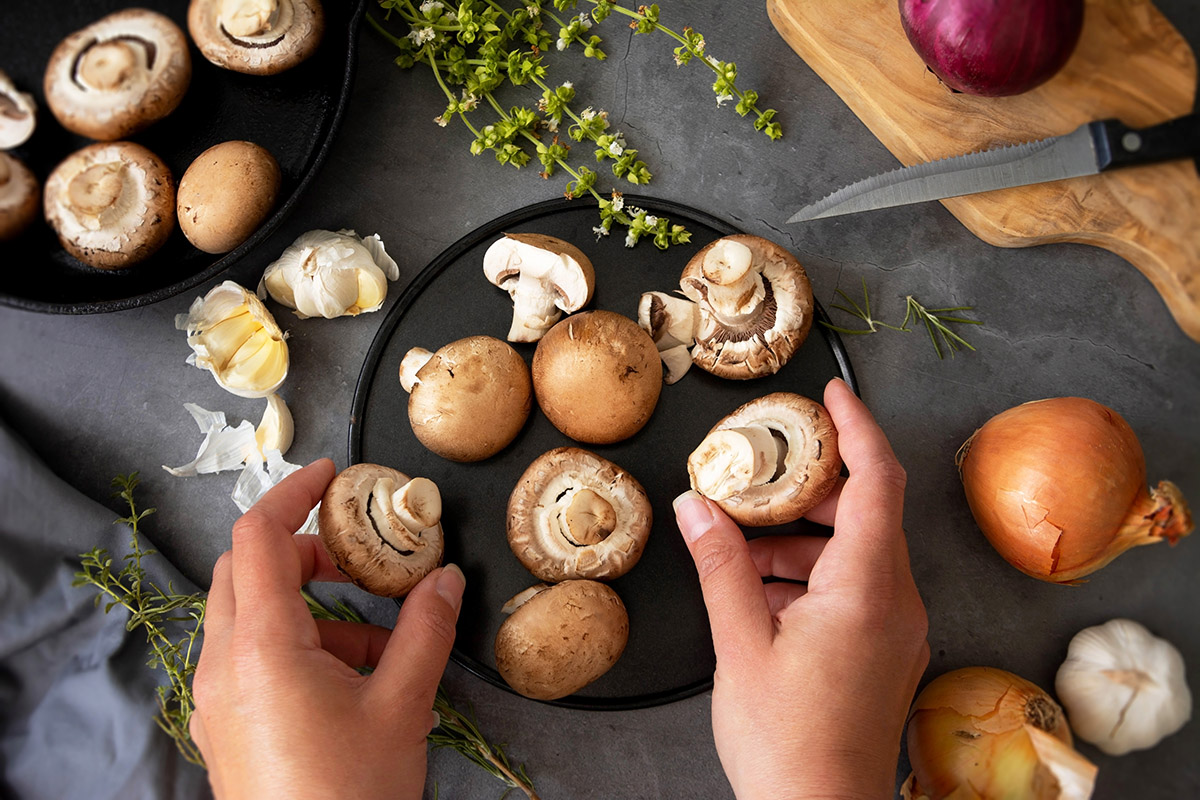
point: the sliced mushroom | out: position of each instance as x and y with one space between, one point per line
381 529
574 514
257 37
558 639
118 75
597 377
671 322
770 461
468 400
18 197
111 204
544 276
18 114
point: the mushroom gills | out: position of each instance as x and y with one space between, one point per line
732 460
18 114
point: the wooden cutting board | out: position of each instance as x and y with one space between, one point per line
1131 63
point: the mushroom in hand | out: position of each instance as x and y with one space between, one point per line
257 37
770 461
18 114
18 197
382 529
544 276
118 75
558 639
574 514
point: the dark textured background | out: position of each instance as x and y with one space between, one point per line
99 395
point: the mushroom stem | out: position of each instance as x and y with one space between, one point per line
588 519
388 524
534 309
410 365
245 18
732 460
735 290
418 504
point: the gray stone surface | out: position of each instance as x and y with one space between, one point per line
99 395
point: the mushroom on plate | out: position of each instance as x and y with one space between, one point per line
558 639
382 529
225 194
118 75
112 204
574 514
771 461
597 377
256 37
545 276
18 197
468 400
18 114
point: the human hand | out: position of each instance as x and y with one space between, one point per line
813 683
281 710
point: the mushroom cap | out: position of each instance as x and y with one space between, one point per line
225 194
764 344
573 295
118 75
289 33
561 639
597 376
18 114
540 538
810 466
471 399
351 534
19 197
112 204
543 275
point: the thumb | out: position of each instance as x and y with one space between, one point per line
733 590
416 653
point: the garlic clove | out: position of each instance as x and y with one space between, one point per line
328 274
234 336
276 429
223 447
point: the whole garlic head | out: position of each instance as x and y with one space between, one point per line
234 336
328 274
1124 689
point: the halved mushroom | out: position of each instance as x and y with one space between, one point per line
597 377
18 114
257 37
671 322
558 639
468 400
382 529
18 197
544 276
111 204
574 514
118 75
770 461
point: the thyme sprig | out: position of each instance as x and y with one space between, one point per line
935 321
173 624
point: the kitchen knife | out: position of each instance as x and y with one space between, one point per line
1090 149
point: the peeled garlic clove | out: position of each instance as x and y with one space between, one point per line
328 274
276 429
223 447
234 336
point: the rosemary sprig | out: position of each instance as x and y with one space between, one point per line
173 624
935 320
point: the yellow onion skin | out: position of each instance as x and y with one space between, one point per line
1058 487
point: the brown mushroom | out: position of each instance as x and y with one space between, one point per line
597 377
770 461
118 75
545 276
112 204
381 529
468 400
257 37
18 114
18 197
558 639
574 514
225 194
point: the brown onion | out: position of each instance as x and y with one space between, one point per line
1059 488
986 733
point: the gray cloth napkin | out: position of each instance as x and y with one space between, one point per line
77 700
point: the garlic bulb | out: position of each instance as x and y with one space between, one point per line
327 274
1124 689
234 336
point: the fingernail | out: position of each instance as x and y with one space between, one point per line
450 585
693 515
435 719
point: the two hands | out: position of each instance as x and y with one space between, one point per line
812 684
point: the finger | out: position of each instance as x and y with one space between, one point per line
356 644
781 594
220 609
415 657
733 590
824 512
266 563
788 557
315 564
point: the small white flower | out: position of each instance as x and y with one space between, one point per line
700 46
420 36
716 64
651 220
568 85
561 44
618 202
616 148
600 231
552 125
442 120
469 102
450 16
678 61
587 113
532 11
585 21
635 211
629 240
431 5
722 99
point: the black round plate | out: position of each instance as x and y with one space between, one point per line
669 655
293 115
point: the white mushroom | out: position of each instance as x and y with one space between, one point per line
257 37
18 197
118 75
18 114
671 322
544 276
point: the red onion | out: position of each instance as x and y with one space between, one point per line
993 48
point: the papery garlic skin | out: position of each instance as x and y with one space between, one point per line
1123 688
234 336
330 274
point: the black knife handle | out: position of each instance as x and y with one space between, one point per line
1118 145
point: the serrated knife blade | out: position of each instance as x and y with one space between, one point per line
1088 150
